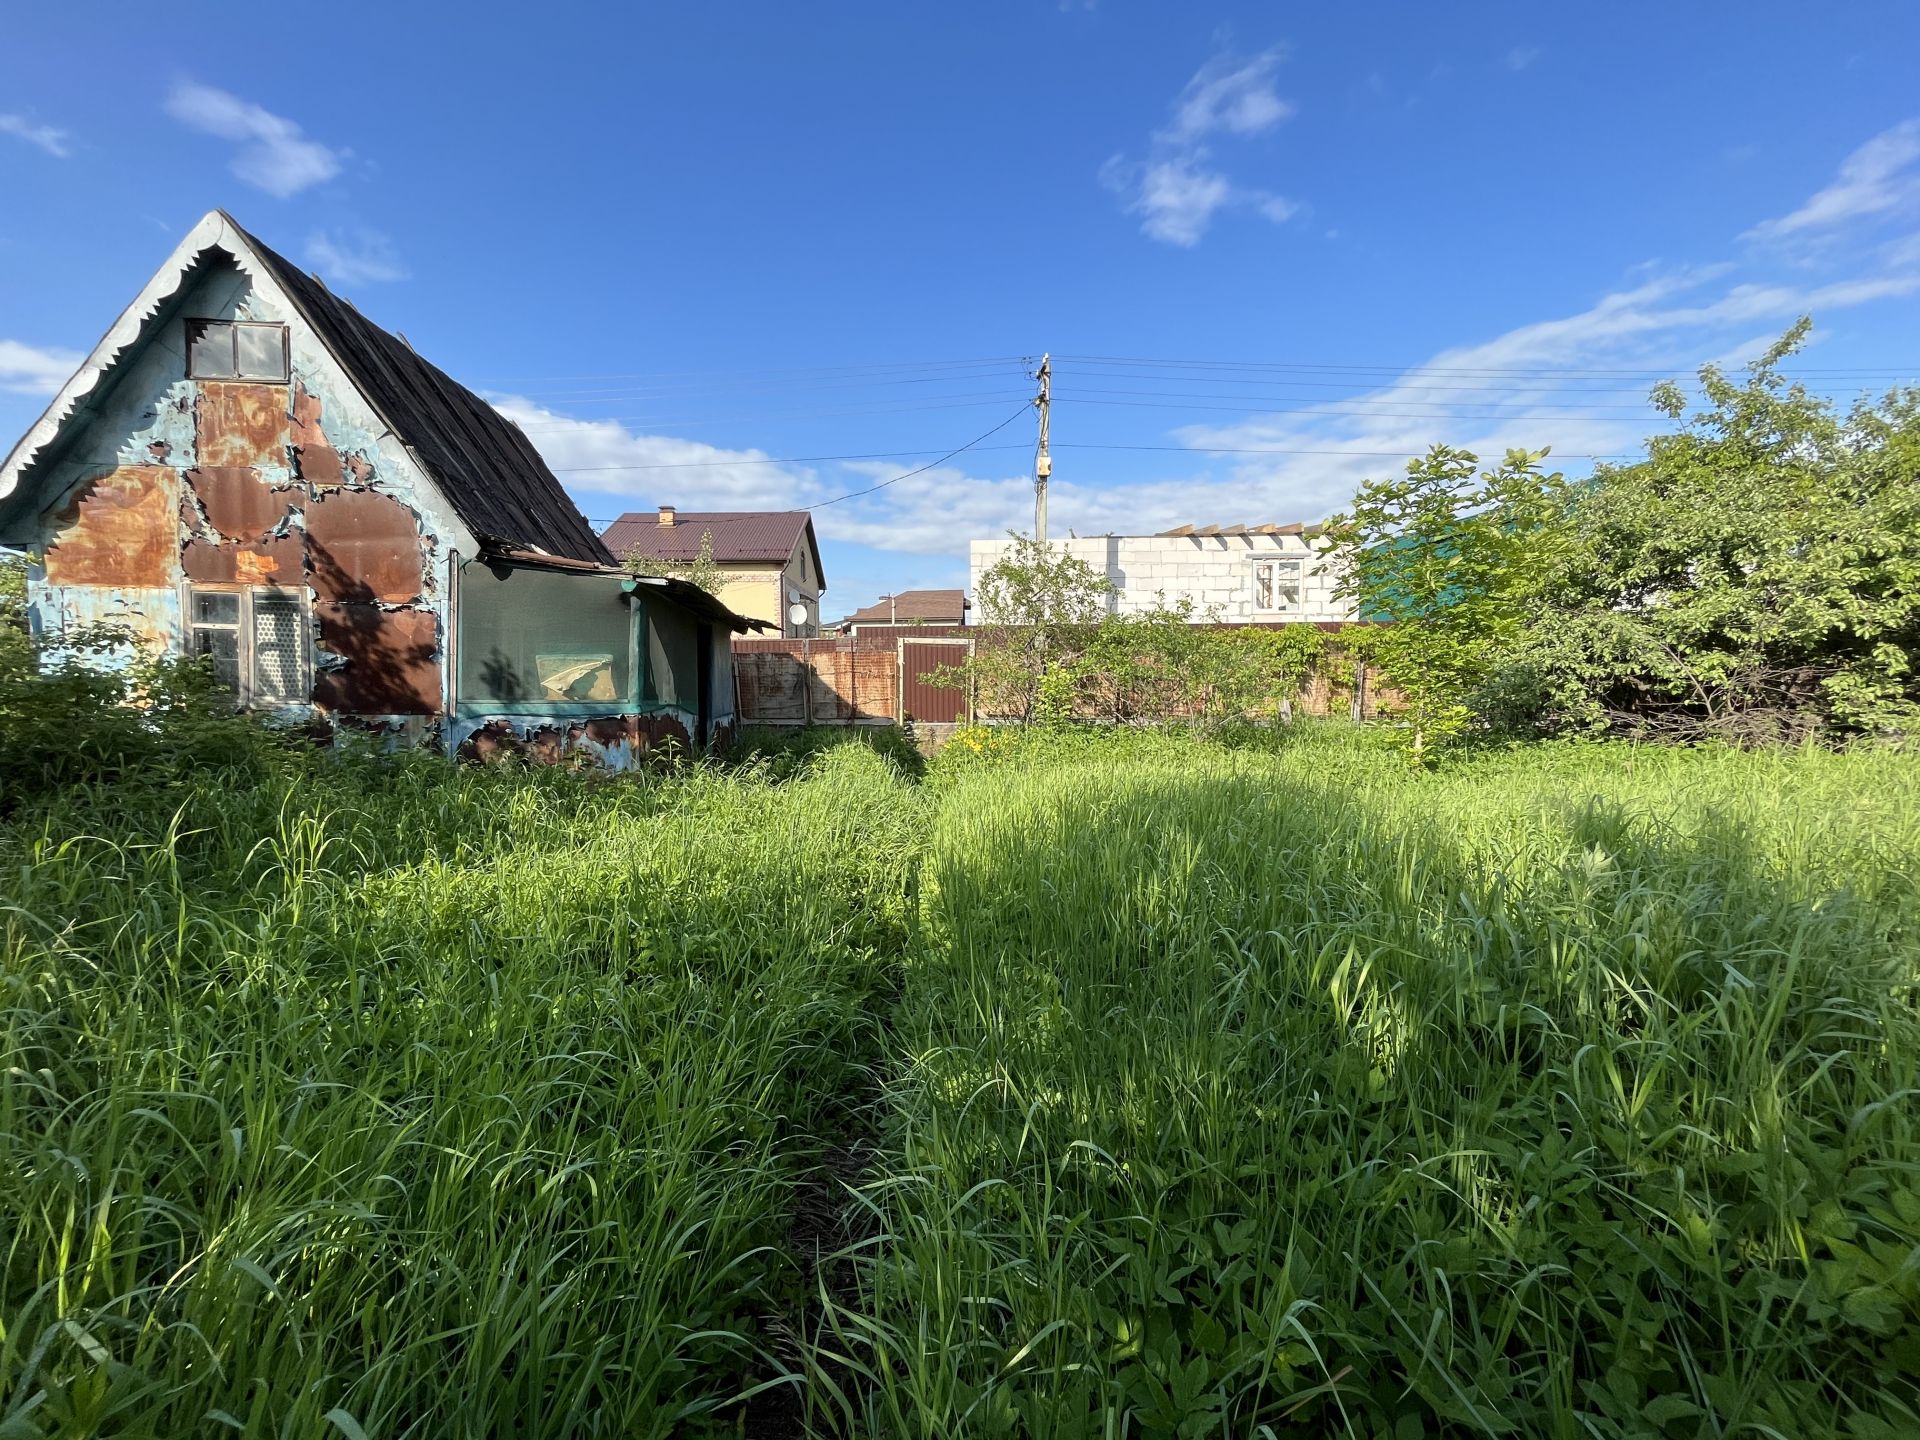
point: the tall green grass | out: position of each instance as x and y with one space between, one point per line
1568 1094
393 1101
1176 1090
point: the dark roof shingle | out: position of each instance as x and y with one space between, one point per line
487 468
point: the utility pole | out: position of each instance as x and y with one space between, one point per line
1042 461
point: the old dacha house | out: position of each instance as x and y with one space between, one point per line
248 469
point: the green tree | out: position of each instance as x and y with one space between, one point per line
1448 557
1756 578
702 570
1037 607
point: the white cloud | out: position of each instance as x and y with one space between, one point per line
1176 191
275 155
1522 56
1874 179
603 457
1232 95
30 370
50 138
359 257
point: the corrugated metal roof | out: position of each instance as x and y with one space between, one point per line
739 536
683 593
488 470
935 607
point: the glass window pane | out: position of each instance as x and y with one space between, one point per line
277 649
216 607
210 349
543 638
223 648
261 351
1263 587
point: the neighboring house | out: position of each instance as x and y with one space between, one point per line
1235 573
909 608
770 558
248 469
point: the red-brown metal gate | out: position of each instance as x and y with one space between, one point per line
919 697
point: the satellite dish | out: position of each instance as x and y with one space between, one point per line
797 613
796 594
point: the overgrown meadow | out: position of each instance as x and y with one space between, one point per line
1137 1085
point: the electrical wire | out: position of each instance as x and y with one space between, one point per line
931 464
1423 369
787 460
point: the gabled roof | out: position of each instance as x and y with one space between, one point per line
489 472
914 607
740 537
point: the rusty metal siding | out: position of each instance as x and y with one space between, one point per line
117 529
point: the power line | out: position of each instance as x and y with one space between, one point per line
1263 450
978 399
788 460
878 365
931 464
1423 369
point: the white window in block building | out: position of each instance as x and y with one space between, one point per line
1276 584
256 639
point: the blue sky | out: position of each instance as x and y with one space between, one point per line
1273 248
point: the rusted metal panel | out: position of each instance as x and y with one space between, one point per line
363 546
276 561
238 503
119 529
615 742
383 662
241 424
314 457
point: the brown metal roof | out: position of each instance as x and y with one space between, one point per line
910 607
739 536
488 470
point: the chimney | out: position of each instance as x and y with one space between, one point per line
666 514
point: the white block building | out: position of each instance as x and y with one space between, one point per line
1233 573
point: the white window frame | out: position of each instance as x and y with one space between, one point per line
1298 565
249 694
233 327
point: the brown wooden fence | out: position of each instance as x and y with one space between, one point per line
832 681
879 678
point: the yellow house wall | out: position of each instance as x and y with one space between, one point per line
753 592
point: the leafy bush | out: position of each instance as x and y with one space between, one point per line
90 709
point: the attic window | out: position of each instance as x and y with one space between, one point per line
236 350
